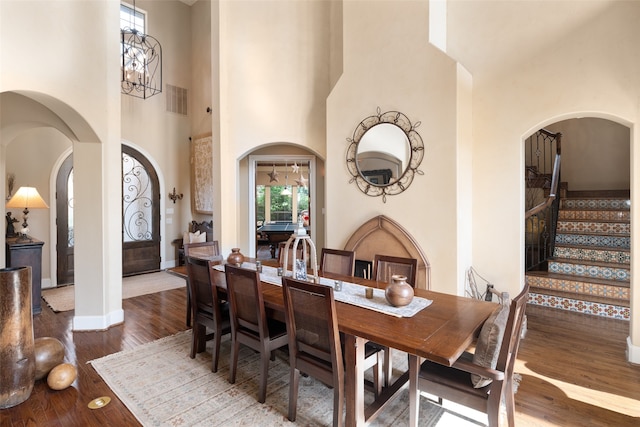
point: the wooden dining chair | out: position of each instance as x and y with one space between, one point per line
337 261
205 250
385 266
281 252
249 323
207 309
481 380
314 341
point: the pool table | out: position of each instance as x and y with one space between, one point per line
276 232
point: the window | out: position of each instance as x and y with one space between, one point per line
128 20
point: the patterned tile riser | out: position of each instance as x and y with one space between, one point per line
583 288
620 257
620 242
595 215
623 229
595 204
590 271
592 308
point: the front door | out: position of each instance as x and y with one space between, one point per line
64 222
140 214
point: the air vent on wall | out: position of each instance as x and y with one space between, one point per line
176 99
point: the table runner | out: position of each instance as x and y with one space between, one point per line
351 293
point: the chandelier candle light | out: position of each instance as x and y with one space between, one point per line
27 198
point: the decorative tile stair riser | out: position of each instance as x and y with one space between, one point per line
581 289
585 307
594 215
606 203
595 255
616 228
591 271
619 242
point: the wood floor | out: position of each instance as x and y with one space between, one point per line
573 368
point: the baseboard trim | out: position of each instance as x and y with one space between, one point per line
98 323
633 352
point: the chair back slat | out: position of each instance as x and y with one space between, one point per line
202 250
513 330
245 298
385 266
337 261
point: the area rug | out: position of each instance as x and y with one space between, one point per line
162 386
63 298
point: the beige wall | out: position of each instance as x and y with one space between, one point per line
274 80
78 95
595 154
417 79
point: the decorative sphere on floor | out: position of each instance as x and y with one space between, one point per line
49 352
62 376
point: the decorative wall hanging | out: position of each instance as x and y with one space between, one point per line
384 154
202 174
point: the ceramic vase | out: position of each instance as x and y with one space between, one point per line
398 292
17 357
235 257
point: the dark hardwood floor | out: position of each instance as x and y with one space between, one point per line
573 368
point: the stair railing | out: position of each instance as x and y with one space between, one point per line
543 201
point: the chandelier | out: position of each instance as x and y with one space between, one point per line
141 63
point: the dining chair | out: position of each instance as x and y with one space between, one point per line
482 379
281 252
205 250
314 341
337 261
249 323
385 266
202 249
207 309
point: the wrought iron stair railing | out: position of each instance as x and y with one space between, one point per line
542 159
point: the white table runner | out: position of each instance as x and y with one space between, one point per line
351 293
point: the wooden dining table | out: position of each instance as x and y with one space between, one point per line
440 332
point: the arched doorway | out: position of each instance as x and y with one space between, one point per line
140 214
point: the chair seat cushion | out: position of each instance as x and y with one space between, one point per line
489 342
450 377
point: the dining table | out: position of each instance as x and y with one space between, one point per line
435 326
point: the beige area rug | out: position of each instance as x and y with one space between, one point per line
63 298
162 386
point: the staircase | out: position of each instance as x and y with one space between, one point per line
590 268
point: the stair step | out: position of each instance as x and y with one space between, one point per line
592 270
590 254
594 215
601 291
594 240
596 203
600 227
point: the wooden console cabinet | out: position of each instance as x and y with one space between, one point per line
27 253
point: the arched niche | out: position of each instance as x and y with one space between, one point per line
382 235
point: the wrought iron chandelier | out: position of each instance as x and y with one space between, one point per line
141 63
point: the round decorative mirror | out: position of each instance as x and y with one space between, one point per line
384 154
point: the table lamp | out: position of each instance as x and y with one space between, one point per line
27 198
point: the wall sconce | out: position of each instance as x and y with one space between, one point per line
173 196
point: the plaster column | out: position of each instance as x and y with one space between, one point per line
633 341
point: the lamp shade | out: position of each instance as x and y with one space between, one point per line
27 197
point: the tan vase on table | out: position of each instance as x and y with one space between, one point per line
398 292
235 257
17 357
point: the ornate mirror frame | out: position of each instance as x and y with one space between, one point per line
416 154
